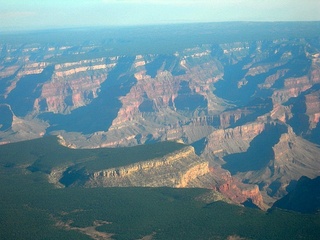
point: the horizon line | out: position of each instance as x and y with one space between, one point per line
57 28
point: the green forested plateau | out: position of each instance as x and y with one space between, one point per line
30 207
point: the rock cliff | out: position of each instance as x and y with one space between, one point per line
179 169
269 155
232 140
174 170
74 84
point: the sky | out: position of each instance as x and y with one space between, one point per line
46 14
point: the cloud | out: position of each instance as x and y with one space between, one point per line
17 14
157 2
215 2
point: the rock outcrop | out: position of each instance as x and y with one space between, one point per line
294 157
173 170
232 140
74 84
180 169
280 160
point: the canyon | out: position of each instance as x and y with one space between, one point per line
247 110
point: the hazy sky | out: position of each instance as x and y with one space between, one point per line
35 14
